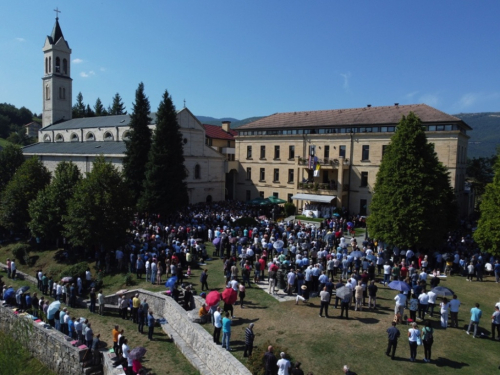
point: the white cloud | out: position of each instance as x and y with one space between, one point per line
21 40
77 61
346 77
470 99
86 75
430 99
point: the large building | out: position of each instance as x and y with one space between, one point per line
81 140
332 157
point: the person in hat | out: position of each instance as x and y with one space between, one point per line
305 295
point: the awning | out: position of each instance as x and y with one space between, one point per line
314 198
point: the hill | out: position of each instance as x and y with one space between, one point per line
234 122
486 134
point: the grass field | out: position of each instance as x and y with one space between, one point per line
324 345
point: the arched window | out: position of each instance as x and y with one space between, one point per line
46 66
108 136
50 64
58 65
59 138
47 92
65 66
74 137
197 172
64 93
90 136
46 138
126 135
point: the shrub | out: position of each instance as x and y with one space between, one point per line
129 280
75 271
290 209
21 252
256 362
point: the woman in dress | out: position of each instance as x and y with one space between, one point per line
413 337
445 306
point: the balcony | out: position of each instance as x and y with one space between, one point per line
228 150
325 162
317 188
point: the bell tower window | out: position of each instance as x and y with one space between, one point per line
46 65
50 64
47 92
58 65
65 66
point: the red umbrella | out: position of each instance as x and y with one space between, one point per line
229 296
212 298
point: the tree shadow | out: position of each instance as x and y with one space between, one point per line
33 259
368 320
237 345
238 322
445 362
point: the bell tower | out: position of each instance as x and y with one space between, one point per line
57 81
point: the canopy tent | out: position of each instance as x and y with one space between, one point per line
314 198
258 202
275 200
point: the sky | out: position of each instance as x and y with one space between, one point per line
241 59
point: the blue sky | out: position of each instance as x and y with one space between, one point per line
253 58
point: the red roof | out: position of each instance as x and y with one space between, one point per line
216 132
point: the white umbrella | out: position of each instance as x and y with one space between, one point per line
278 244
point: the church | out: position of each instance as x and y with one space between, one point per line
81 140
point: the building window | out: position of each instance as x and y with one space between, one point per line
327 153
74 137
90 137
65 66
276 152
262 174
261 194
58 65
262 152
363 207
276 175
291 152
209 142
50 64
59 138
64 93
248 195
108 136
289 198
197 172
46 65
249 173
364 179
365 155
46 138
290 175
47 92
342 151
249 152
276 195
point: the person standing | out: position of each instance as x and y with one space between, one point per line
89 335
475 316
13 269
136 302
115 332
100 299
203 280
297 370
445 305
392 335
495 323
413 337
151 325
325 301
249 337
432 302
270 361
141 318
344 305
241 294
93 300
428 340
454 306
358 294
423 304
372 295
217 325
400 303
226 332
284 365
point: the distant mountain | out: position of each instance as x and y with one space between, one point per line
234 122
485 137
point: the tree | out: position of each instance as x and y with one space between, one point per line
138 144
51 204
99 108
487 234
31 177
165 189
98 213
20 138
480 171
11 158
89 112
413 202
117 108
79 107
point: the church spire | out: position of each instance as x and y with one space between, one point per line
56 32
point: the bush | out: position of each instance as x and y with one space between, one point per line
21 252
290 209
256 362
75 271
129 280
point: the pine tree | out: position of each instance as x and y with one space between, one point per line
11 158
138 145
487 234
165 189
89 112
79 107
413 203
117 108
99 108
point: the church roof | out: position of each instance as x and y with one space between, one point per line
78 148
56 33
92 122
352 116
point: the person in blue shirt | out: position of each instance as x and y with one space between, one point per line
151 325
497 271
475 315
226 331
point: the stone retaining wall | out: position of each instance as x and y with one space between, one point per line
48 345
192 339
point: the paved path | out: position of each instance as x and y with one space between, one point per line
280 295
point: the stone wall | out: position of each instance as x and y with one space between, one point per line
48 345
192 339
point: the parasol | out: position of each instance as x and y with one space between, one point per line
53 307
137 353
23 289
229 296
442 291
66 279
357 254
212 298
399 285
350 224
336 214
243 240
278 244
216 241
343 291
171 282
9 293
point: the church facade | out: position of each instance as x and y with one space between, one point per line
81 140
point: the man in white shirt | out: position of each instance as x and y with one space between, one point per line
217 325
423 304
284 365
126 353
400 303
432 301
387 273
423 275
454 305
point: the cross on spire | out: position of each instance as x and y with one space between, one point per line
184 103
57 12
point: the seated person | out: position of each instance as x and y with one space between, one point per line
203 314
